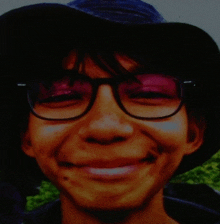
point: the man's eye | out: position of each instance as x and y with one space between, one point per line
62 98
63 101
149 95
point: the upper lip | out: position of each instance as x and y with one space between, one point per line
111 163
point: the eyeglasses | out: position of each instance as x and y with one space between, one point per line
142 96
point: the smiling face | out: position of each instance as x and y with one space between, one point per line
107 159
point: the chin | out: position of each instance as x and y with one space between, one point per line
117 203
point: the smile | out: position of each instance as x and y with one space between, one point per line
109 170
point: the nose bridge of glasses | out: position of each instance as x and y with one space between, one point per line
104 85
110 83
105 81
105 92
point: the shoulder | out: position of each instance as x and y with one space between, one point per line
192 203
188 204
12 204
49 213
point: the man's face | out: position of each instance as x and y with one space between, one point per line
107 159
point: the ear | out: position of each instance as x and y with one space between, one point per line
26 144
196 131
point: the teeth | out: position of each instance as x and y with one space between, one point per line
111 171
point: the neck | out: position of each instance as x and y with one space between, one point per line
151 213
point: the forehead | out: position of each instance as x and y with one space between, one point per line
89 66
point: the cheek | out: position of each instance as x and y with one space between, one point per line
171 138
170 134
45 139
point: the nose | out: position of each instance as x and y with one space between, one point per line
106 123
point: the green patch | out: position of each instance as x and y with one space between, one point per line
47 192
208 173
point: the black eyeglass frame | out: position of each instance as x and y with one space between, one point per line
114 83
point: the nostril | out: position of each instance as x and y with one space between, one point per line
66 164
119 139
91 140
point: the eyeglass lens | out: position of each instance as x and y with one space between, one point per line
145 95
150 96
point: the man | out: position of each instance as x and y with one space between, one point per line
118 101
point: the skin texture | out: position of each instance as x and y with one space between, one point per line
106 133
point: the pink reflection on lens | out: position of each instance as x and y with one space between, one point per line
151 83
165 83
65 87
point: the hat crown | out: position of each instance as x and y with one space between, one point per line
123 11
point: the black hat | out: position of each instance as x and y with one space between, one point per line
50 30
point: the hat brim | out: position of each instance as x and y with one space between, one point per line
59 25
51 28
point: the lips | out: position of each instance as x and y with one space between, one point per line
110 171
106 164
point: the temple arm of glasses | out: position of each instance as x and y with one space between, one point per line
189 82
21 84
